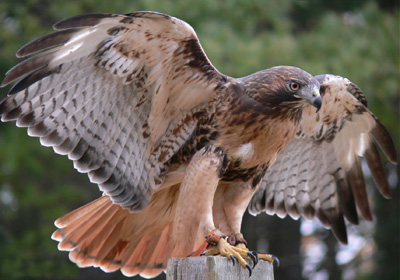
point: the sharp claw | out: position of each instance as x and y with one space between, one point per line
248 267
255 254
233 259
278 263
253 258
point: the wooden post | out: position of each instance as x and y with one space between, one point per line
215 268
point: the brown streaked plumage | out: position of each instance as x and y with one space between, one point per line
179 149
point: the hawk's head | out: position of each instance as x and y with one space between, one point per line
283 88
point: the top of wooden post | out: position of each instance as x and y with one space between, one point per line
215 268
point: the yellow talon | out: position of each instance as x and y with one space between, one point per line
221 246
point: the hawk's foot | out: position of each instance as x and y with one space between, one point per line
222 246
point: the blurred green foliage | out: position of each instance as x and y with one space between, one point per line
355 39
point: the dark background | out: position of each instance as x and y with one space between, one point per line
355 39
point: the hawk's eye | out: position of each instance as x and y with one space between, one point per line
294 86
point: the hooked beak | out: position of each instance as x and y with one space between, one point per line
316 100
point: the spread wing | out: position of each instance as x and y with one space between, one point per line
319 172
118 94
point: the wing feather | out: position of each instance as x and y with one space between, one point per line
47 41
112 92
385 141
321 165
81 21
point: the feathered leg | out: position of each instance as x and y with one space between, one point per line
230 203
194 215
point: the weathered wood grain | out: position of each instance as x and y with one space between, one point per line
215 268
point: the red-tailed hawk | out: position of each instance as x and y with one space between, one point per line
181 150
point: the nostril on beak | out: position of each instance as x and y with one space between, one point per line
316 93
